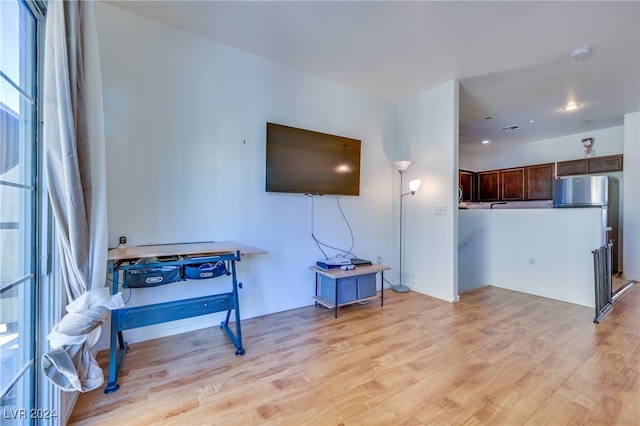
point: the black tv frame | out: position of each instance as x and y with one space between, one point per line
309 162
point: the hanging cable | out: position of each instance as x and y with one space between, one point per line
345 253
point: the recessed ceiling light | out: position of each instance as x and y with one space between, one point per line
531 121
570 107
486 141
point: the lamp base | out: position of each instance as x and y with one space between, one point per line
400 288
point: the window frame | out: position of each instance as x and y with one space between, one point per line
45 308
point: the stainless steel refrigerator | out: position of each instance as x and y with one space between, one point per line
596 192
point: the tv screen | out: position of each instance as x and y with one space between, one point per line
308 162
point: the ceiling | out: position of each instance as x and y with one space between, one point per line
512 58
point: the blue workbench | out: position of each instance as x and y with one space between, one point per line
121 260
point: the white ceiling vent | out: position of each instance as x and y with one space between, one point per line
512 127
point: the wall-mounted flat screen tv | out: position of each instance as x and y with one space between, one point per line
308 162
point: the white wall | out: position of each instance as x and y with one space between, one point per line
428 129
185 120
606 142
631 194
474 255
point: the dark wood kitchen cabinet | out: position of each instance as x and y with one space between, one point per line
466 182
533 182
583 166
572 167
517 183
538 182
488 185
512 184
610 163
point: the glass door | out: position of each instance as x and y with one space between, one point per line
18 210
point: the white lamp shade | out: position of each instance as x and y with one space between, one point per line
402 165
415 184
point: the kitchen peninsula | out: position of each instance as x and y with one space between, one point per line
540 251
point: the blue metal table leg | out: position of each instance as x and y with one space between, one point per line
236 338
112 385
116 353
336 299
381 288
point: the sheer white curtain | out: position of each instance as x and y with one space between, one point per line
75 172
74 144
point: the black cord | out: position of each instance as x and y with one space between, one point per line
127 301
320 244
388 282
348 226
128 298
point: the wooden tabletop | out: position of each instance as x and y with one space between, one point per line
359 270
200 249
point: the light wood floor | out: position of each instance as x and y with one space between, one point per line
497 357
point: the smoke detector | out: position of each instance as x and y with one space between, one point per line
580 53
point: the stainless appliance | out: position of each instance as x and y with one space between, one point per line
592 191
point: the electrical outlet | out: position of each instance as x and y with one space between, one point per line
532 261
441 210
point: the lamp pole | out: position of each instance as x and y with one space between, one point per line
401 288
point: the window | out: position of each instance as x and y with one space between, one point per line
20 67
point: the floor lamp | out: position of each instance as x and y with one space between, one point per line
402 167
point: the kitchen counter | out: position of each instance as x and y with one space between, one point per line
538 204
